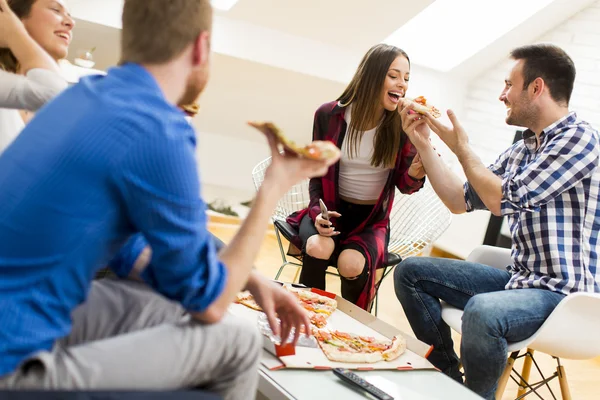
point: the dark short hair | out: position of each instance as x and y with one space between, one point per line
552 64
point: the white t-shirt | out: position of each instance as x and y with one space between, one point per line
24 92
358 179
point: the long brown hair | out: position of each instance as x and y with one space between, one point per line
21 8
364 93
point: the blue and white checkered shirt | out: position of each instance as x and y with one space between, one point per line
550 196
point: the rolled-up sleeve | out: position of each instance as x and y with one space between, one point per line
562 163
30 91
123 262
160 186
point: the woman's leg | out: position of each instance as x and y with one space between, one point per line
354 272
316 254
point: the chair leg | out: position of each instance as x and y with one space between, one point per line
525 372
562 380
297 275
284 258
506 375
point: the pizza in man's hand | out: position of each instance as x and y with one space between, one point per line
317 150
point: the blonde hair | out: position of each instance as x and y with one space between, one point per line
156 31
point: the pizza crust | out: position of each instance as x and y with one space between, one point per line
246 299
317 150
334 354
420 105
396 350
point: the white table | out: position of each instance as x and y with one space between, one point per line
288 384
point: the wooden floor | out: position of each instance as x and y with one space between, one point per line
582 375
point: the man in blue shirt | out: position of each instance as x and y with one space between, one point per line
111 159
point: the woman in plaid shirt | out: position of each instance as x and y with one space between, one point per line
376 158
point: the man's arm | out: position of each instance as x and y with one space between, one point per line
445 183
483 181
487 184
159 182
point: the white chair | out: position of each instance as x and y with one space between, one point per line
571 331
416 221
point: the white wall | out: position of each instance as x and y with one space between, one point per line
484 114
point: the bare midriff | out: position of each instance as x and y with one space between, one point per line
357 201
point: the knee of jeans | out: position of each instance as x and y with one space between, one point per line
480 316
320 247
405 272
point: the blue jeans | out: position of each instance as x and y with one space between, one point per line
492 315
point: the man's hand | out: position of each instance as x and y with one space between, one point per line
455 137
277 302
288 169
416 169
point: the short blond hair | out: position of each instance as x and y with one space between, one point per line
157 31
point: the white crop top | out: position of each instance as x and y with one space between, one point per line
358 179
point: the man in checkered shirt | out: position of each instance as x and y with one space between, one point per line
547 185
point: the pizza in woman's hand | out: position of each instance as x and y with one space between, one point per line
420 105
317 150
350 348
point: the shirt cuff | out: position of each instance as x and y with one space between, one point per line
314 211
124 260
411 183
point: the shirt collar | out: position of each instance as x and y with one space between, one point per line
529 137
137 74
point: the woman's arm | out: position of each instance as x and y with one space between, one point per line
405 182
29 92
42 80
315 185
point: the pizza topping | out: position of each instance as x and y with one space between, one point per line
347 347
421 106
319 307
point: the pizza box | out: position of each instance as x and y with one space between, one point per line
347 318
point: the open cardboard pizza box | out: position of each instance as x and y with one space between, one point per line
347 318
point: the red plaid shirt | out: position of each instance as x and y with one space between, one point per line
373 233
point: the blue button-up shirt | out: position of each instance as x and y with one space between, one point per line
108 159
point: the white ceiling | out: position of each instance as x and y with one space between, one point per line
327 38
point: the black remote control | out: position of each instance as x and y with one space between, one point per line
352 378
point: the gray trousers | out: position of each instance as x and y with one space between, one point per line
125 336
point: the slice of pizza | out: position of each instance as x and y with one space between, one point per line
314 302
319 307
317 150
420 105
246 298
350 348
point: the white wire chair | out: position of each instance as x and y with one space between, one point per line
416 221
